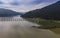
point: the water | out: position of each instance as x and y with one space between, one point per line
17 27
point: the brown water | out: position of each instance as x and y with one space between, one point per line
22 29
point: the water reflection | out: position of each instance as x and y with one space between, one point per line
12 27
17 27
9 27
16 18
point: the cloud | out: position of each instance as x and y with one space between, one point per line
6 1
30 2
1 2
25 5
25 2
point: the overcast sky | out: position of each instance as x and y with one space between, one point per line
25 5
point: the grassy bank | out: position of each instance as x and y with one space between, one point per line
47 24
53 25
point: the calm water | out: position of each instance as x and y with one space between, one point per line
17 27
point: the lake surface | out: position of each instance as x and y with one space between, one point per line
17 27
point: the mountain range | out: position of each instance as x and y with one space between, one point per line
8 13
49 12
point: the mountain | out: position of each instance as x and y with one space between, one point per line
8 13
49 12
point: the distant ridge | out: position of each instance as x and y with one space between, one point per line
48 12
8 13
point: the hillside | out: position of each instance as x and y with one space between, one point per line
48 12
8 13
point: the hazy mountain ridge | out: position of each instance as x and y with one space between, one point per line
49 12
8 13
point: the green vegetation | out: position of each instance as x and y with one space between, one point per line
46 24
53 25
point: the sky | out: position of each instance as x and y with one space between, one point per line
25 5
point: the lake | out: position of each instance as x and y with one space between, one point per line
17 27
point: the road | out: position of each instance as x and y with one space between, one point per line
23 29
